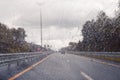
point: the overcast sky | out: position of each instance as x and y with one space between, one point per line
62 19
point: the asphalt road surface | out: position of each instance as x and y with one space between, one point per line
71 67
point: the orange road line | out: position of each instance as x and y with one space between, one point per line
28 69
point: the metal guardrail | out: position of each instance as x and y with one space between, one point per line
5 58
8 59
105 54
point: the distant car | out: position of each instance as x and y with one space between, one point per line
62 52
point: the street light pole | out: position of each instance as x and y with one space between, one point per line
41 25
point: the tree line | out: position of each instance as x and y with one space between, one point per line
101 34
12 40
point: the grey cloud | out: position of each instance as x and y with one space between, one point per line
63 16
61 13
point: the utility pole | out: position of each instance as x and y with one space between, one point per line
41 25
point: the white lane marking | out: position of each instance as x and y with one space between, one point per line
110 64
86 76
98 61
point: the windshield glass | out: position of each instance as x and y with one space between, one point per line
59 39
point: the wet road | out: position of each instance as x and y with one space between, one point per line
71 67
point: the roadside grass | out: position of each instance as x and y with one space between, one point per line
109 58
115 59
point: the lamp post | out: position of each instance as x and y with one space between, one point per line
41 26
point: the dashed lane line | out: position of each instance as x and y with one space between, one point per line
86 76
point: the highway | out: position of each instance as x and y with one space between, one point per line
69 67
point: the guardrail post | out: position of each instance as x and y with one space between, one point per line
18 63
8 66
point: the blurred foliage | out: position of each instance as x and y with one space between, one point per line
102 34
12 40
